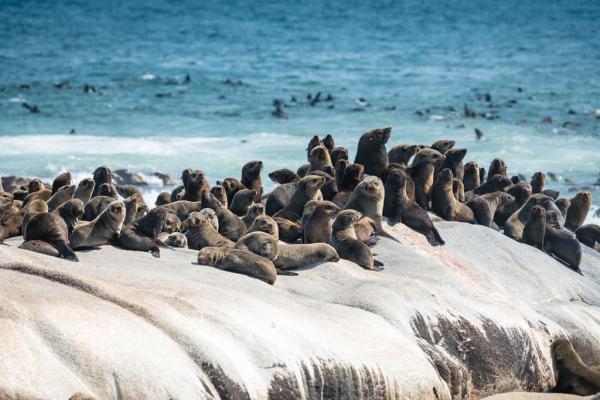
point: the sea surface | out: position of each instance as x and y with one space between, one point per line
176 84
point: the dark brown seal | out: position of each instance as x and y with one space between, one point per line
242 200
201 232
338 153
253 211
84 190
535 228
251 175
571 374
71 212
563 205
62 195
292 256
319 160
195 184
486 206
497 167
51 228
163 198
101 175
141 234
264 223
306 190
283 175
444 203
443 145
422 173
61 180
346 244
220 194
471 176
589 235
371 152
538 180
353 175
454 162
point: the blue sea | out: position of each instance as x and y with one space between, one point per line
176 84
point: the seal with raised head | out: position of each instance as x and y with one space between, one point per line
589 235
142 234
232 186
402 209
253 211
293 256
571 374
535 229
329 142
486 206
422 173
171 224
497 167
578 210
220 194
34 207
471 176
264 223
402 153
563 205
346 244
177 193
443 202
371 151
105 228
195 184
51 228
251 175
367 199
61 180
316 226
33 186
458 189
84 190
95 206
513 227
353 175
313 142
62 195
43 194
108 190
538 180
443 145
338 153
319 160
183 208
283 175
454 161
242 200
71 212
306 190
259 243
101 175
239 261
201 233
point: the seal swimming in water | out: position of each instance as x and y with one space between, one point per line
571 374
52 229
239 261
346 244
142 234
103 229
371 152
535 229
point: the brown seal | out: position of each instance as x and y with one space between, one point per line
346 244
43 194
371 152
232 186
289 231
513 227
458 189
578 209
422 172
338 153
177 193
410 184
443 145
239 261
497 167
454 161
314 142
563 205
443 202
589 235
319 160
471 176
131 209
486 206
171 224
251 175
108 190
95 206
264 223
367 199
316 224
404 210
11 221
283 175
253 211
562 243
34 207
220 194
39 246
141 234
62 195
230 225
51 228
494 184
306 190
242 200
101 175
340 168
538 180
130 190
61 180
402 153
292 256
195 184
175 239
33 186
84 190
353 175
105 228
163 198
571 374
183 208
201 232
329 142
71 212
259 243
535 229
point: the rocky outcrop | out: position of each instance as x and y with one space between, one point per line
464 321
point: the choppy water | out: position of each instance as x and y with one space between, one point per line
535 59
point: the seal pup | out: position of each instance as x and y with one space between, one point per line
251 175
402 153
579 208
51 228
105 228
535 229
220 194
316 225
142 234
422 173
353 175
239 261
562 243
487 206
443 202
497 167
471 176
292 256
163 198
319 160
62 195
454 161
259 243
242 200
338 153
283 175
61 180
84 190
401 209
71 212
571 374
443 145
95 206
253 211
538 180
306 190
171 224
264 223
563 205
175 239
230 225
101 175
589 235
346 244
371 152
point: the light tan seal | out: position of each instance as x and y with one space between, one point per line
239 261
264 223
445 204
260 243
293 256
578 210
316 221
201 232
104 229
346 244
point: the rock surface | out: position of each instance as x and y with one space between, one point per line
465 321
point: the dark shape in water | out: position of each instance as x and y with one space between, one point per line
32 108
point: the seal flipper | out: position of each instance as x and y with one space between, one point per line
371 241
377 265
64 251
434 238
285 273
155 252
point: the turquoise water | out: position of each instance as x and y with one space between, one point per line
535 59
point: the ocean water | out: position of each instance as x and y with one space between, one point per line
539 61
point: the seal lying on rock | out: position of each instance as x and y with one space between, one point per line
239 261
589 235
260 243
105 228
562 243
514 225
264 223
301 255
571 374
345 242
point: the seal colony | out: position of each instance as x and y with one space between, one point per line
329 200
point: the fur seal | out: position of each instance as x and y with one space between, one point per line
443 145
253 211
443 202
33 186
486 206
471 176
51 228
61 180
84 190
306 190
346 244
11 221
458 189
39 246
496 183
571 374
367 199
131 209
108 190
183 208
328 142
579 208
101 175
329 188
220 194
141 234
340 168
163 198
289 231
319 160
538 180
293 256
176 239
259 243
232 186
402 153
43 194
589 235
422 173
454 161
551 193
316 226
314 142
95 206
177 193
71 212
242 200
62 195
251 175
201 233
497 167
513 227
563 205
353 175
264 223
171 224
562 243
338 153
283 175
103 229
34 207
535 229
371 152
401 209
239 261
195 183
